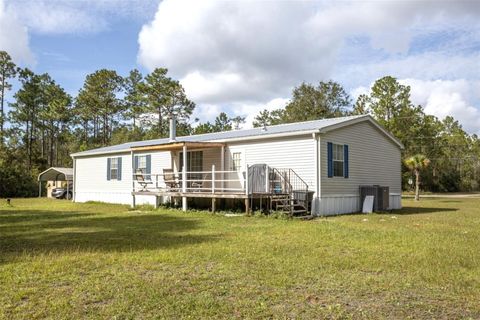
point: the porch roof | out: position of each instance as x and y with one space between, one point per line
178 145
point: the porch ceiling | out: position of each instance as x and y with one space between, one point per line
173 146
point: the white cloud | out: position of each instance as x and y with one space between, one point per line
56 18
427 66
14 36
443 98
247 53
19 19
252 110
86 16
233 51
208 112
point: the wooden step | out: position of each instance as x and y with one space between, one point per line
279 196
299 211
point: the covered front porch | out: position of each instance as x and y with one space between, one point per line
196 170
206 170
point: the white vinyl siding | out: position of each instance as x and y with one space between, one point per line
91 183
297 153
373 159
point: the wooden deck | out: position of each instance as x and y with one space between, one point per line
208 195
199 194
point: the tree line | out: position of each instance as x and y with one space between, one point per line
454 155
45 124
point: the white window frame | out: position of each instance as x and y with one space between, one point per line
142 164
338 155
236 161
114 168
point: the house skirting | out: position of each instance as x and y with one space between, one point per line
343 204
326 205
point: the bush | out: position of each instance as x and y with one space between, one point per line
15 178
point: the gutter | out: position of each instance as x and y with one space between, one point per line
80 154
268 136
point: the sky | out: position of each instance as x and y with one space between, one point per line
244 56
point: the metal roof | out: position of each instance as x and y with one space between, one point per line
281 129
56 174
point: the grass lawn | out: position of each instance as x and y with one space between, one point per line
63 260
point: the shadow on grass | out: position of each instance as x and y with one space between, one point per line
35 232
421 210
19 217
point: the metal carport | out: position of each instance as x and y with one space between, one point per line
55 174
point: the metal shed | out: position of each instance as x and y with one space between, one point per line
55 174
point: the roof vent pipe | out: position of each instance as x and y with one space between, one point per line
173 128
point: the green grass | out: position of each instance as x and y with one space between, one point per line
63 260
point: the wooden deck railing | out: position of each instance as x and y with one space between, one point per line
212 181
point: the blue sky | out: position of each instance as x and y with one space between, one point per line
69 58
243 56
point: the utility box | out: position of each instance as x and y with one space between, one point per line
257 175
381 196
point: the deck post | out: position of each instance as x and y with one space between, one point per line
213 178
213 204
247 200
222 168
39 188
246 181
267 179
132 161
184 177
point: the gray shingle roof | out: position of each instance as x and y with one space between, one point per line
294 128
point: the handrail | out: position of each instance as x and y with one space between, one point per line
300 178
279 180
211 181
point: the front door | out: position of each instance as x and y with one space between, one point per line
194 165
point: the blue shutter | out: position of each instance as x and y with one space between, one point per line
345 161
330 159
149 166
119 170
108 168
135 166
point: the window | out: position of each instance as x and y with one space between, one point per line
338 160
142 164
236 161
113 168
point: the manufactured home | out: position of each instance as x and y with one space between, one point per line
314 167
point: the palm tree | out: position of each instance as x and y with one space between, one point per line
417 163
